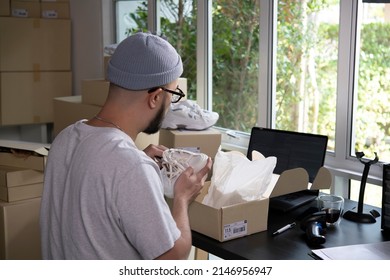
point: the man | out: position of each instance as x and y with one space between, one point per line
103 198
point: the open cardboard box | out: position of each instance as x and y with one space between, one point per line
246 218
23 154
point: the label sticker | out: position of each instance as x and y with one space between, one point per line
234 230
19 13
49 14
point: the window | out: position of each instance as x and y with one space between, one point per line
176 22
131 16
310 66
235 56
306 73
371 125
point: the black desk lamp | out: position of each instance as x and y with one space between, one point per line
359 216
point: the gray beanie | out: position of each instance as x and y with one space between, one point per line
143 61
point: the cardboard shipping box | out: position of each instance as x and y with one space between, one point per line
69 109
15 176
246 218
21 192
54 0
35 44
94 91
204 141
27 97
25 9
19 230
5 8
106 60
20 183
55 10
23 154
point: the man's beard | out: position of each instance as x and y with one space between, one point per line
155 125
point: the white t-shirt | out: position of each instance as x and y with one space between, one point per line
103 198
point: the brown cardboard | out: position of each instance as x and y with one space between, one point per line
25 9
32 44
106 60
19 230
23 154
15 177
5 8
27 97
53 0
143 140
55 10
246 218
21 192
205 141
94 91
69 109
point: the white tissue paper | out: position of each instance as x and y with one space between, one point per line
236 179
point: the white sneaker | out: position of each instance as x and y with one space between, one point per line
174 162
189 115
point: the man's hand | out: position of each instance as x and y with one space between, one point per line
189 184
155 152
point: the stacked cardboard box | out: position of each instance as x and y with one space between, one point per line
36 8
21 183
206 141
35 62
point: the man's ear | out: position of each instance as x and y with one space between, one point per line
154 97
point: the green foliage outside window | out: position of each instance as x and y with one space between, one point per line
306 66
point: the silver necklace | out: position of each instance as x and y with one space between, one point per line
109 122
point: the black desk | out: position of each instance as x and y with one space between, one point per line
291 244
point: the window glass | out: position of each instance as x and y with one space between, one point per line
306 75
178 25
371 131
372 193
177 22
131 16
235 55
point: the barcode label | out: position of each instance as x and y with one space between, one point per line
236 229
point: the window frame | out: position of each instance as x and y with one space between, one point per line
342 165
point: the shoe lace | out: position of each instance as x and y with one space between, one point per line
174 166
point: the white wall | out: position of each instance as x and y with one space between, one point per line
87 41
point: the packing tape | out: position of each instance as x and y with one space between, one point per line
36 119
36 23
36 76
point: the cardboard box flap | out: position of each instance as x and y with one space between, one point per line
290 181
323 179
14 176
38 148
